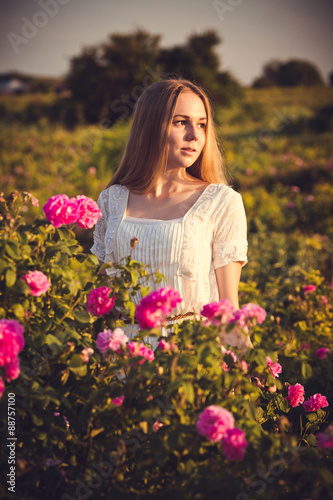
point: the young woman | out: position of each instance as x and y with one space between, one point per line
170 192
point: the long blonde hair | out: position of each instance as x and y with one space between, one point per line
146 152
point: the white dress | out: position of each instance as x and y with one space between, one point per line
187 250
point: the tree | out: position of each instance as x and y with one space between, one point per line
289 74
197 61
109 78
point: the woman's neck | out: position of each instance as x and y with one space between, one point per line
172 181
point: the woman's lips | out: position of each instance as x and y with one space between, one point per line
188 151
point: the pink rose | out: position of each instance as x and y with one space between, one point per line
295 189
324 300
218 313
155 307
214 421
136 349
12 370
234 444
99 302
88 212
157 425
244 366
11 340
323 352
60 209
118 401
315 402
167 346
247 312
325 439
111 340
39 283
309 289
275 368
164 345
295 395
291 205
2 387
86 354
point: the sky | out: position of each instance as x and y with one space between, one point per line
38 37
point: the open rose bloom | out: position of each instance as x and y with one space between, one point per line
39 283
60 209
234 444
11 340
111 340
99 302
295 395
11 343
155 307
315 402
88 212
139 349
214 421
218 313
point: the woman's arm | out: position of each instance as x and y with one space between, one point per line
228 278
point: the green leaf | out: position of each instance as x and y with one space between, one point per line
306 370
95 432
38 421
81 316
144 291
260 415
75 361
39 340
188 391
54 343
312 417
311 439
10 277
80 371
18 311
12 249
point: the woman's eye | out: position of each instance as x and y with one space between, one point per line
183 122
202 125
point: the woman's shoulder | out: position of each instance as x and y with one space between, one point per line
116 190
223 191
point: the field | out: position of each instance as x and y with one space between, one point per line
277 156
97 416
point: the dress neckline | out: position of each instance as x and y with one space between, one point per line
166 220
141 219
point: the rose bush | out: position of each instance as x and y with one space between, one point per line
100 415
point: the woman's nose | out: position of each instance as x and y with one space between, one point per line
192 133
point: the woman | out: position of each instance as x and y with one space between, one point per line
171 193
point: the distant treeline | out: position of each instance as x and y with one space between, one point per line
104 81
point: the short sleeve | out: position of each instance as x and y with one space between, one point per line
98 247
230 235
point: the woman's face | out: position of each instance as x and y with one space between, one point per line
188 131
